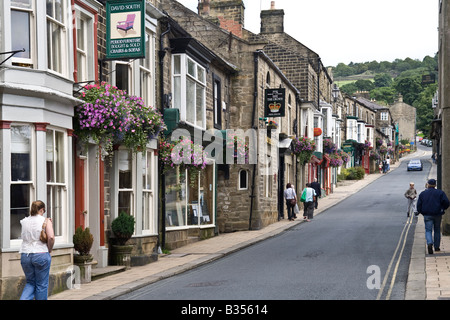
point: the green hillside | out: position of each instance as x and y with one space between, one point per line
386 80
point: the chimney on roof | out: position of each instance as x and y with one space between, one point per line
272 21
229 14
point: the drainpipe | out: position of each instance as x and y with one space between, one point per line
255 127
162 54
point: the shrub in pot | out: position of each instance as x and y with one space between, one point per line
123 229
82 242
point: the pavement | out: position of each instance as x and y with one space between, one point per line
429 275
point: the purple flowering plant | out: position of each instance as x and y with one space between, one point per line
109 116
303 149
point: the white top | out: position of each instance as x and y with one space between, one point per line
310 194
289 193
31 230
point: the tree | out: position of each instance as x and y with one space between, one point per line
409 88
386 94
382 80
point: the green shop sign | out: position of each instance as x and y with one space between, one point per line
125 29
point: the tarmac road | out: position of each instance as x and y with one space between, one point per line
358 249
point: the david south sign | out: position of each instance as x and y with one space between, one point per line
125 29
274 105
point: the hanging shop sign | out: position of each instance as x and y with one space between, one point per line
125 29
317 132
274 105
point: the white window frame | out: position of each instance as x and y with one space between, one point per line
51 21
88 65
146 71
240 179
15 243
62 185
149 210
132 189
384 116
182 95
129 65
31 61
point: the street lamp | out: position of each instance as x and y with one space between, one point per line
335 92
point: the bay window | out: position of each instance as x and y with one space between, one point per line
85 46
146 68
189 90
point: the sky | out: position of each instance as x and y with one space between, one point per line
354 30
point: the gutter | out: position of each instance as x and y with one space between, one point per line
254 126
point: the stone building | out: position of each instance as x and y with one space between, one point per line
405 116
441 124
249 196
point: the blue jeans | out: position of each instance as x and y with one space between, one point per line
433 223
36 267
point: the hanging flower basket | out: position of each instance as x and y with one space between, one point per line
335 160
109 116
329 147
303 149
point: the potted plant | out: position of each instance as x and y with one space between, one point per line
123 229
82 243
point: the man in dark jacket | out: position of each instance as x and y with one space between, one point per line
432 204
316 186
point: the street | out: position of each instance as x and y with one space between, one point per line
358 249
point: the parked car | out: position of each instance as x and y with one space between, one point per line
429 143
415 164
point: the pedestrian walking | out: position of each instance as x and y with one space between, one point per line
432 204
308 209
291 201
411 195
388 164
316 186
35 252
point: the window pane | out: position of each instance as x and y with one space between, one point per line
20 206
50 8
175 197
21 4
147 212
125 172
81 27
176 64
122 76
200 105
194 210
20 25
54 207
177 92
243 179
54 47
190 101
206 195
191 67
201 74
59 156
59 10
146 171
125 202
20 153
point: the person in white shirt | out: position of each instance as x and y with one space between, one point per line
289 195
308 210
35 255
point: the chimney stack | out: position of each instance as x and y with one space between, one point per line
272 21
229 14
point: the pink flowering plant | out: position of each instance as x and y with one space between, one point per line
184 154
303 149
328 146
335 160
109 116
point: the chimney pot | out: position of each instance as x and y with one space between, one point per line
272 5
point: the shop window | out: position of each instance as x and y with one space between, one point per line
190 197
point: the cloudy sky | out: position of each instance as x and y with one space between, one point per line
354 30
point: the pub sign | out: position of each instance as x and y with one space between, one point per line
274 103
